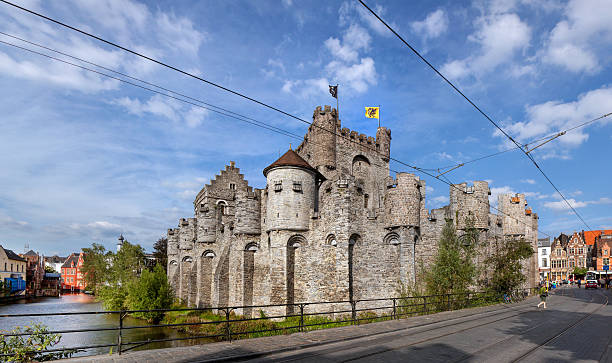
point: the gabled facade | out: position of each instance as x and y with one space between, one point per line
602 247
72 278
12 271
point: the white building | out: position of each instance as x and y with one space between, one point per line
544 257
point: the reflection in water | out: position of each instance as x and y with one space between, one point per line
85 303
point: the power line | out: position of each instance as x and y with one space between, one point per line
253 122
563 132
479 110
256 124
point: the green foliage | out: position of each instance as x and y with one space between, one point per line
505 266
50 269
453 270
95 267
160 252
580 271
27 348
150 291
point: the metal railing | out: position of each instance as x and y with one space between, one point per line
226 328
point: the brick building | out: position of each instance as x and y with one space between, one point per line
602 246
331 224
72 278
35 272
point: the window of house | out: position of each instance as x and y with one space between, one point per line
11 267
606 261
544 262
278 186
581 251
572 263
543 252
558 252
572 250
605 252
297 186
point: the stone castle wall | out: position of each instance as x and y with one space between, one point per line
350 231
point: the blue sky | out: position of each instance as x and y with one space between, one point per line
85 157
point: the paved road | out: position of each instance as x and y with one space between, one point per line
576 327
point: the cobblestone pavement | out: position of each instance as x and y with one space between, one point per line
574 328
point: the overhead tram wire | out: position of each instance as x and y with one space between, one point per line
529 143
477 108
250 121
211 83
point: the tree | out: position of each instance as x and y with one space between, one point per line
160 252
150 291
26 348
50 269
580 271
505 266
95 267
125 267
453 270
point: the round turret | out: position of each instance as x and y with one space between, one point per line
291 193
403 203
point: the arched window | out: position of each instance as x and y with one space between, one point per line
187 259
208 253
392 239
173 263
331 240
293 244
361 165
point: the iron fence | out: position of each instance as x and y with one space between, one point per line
227 329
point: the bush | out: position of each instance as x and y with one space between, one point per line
26 348
150 291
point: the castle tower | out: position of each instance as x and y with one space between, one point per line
383 142
292 191
470 202
512 207
403 202
323 137
248 213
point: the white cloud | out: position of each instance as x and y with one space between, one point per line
347 12
440 200
562 206
156 105
195 116
354 39
552 116
178 33
499 37
574 41
528 181
434 25
306 88
358 76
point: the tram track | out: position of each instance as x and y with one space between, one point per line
521 309
562 332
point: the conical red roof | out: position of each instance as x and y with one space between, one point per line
290 158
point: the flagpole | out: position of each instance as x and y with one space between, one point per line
379 115
337 105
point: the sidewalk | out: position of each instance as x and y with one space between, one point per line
257 347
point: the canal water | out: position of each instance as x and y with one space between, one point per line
83 303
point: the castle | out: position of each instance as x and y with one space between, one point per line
330 225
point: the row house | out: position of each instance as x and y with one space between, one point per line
567 254
602 247
12 272
544 257
72 278
35 272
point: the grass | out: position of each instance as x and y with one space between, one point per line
215 325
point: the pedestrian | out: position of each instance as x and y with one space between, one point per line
543 296
579 283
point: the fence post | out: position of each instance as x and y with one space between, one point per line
119 334
228 332
394 316
424 304
301 328
448 303
353 312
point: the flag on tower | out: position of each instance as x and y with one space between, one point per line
333 90
372 112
